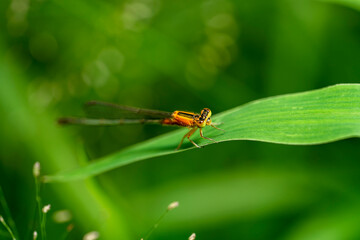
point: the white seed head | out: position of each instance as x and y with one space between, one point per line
36 169
192 236
173 205
2 219
35 235
46 208
62 216
91 236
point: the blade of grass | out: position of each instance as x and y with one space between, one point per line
355 4
340 222
313 117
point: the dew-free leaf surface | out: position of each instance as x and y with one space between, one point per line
313 117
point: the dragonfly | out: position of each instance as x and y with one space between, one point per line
110 114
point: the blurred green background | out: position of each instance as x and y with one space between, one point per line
168 55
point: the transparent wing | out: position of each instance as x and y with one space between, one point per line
104 110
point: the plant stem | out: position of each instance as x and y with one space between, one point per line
156 224
68 230
43 229
6 208
2 220
38 201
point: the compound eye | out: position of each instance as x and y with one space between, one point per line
208 120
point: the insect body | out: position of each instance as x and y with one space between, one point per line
131 115
191 120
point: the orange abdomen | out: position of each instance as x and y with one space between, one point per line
180 118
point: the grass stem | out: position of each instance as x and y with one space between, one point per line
69 228
36 173
169 208
2 220
6 208
43 229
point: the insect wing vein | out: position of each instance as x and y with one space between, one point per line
97 109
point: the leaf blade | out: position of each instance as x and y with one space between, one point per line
313 117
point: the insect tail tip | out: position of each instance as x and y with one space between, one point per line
63 121
89 103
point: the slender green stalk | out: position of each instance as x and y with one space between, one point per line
155 225
69 228
45 209
43 229
36 173
2 220
66 234
6 208
38 199
169 208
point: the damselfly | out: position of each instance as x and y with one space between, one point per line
113 114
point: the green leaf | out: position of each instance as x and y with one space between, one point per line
312 117
355 4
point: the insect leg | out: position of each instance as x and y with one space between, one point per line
202 135
214 126
191 133
186 135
